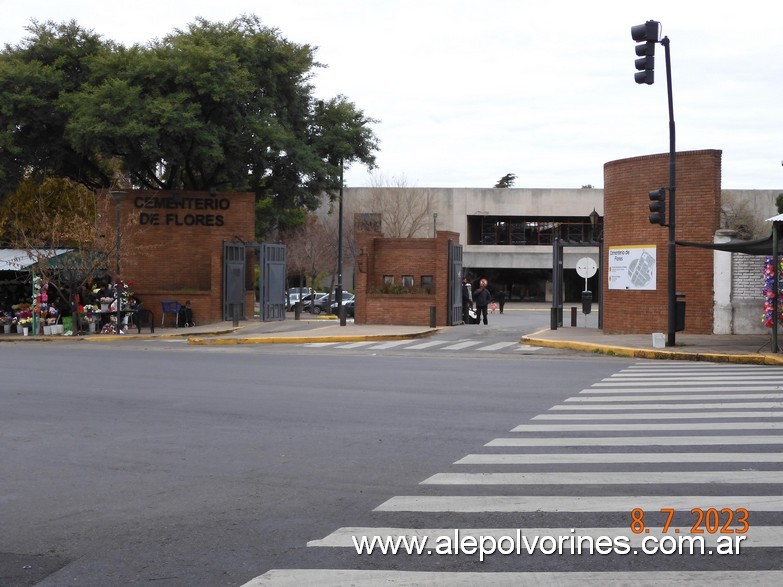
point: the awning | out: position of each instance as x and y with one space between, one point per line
762 246
22 259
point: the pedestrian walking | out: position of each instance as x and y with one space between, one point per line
482 298
467 302
501 298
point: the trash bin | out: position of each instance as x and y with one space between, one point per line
587 302
680 312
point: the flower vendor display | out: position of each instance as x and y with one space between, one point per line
23 317
769 293
126 291
6 320
89 316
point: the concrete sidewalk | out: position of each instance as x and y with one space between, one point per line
751 349
734 348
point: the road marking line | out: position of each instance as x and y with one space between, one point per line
662 416
429 344
606 478
637 441
648 398
390 344
610 458
706 389
576 503
715 406
497 346
342 577
658 382
759 536
461 345
639 427
355 345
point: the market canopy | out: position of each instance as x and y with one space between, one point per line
761 246
23 260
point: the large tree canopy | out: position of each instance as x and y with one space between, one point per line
226 106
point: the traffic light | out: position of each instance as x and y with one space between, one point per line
647 34
658 207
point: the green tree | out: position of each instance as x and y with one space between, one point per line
506 181
53 62
226 106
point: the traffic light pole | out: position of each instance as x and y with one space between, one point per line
671 248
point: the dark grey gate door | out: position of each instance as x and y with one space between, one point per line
455 284
273 272
233 281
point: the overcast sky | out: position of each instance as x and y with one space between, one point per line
469 91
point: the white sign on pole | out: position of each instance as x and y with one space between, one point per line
586 268
632 267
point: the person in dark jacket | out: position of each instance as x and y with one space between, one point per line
185 317
501 298
467 303
482 297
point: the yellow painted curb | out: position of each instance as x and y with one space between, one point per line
753 359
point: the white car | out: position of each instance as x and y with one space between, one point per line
294 294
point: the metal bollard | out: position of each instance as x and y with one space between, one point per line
433 316
235 315
573 316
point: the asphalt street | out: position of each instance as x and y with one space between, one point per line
157 462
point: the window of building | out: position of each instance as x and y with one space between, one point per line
407 281
388 280
427 283
529 230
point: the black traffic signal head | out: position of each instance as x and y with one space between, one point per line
658 206
647 34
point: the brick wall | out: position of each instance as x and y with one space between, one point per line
379 257
173 249
626 186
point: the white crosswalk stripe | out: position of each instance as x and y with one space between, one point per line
415 345
461 345
606 447
357 578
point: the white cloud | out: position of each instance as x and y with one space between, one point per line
468 92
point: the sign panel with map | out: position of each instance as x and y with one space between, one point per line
632 267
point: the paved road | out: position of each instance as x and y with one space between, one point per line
148 465
639 459
194 467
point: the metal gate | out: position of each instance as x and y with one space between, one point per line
233 281
455 284
272 282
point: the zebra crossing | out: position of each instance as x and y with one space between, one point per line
694 444
416 345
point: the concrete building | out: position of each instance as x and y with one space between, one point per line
507 234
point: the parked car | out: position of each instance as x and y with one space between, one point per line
293 295
316 302
348 305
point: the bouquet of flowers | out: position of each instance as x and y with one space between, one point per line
88 312
768 319
24 315
126 291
